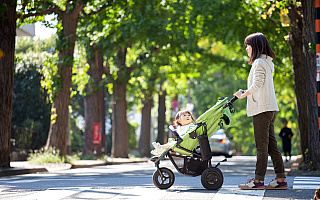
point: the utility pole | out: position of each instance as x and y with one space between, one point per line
317 24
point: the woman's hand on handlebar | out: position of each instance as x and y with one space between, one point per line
239 94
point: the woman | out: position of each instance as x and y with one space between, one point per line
262 107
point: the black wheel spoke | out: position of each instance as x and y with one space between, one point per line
212 178
163 180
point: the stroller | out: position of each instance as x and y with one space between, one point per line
193 162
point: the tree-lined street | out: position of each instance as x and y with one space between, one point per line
108 83
134 181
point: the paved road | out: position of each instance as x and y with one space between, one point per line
134 181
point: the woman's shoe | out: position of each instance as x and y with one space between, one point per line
277 185
252 185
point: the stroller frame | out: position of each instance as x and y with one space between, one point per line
211 177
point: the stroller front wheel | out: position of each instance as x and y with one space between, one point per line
163 180
212 178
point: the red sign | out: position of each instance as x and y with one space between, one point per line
175 104
96 134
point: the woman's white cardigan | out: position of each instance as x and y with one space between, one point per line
260 85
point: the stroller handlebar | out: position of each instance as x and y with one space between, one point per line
230 102
233 99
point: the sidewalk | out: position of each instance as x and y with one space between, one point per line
25 167
292 169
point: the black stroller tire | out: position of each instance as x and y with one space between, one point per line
212 178
166 182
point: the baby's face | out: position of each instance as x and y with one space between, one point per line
185 119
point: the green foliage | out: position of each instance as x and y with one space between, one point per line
50 156
80 68
312 47
244 18
75 132
40 53
31 107
25 45
41 157
132 137
200 48
52 81
31 104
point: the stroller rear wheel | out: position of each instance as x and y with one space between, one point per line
212 178
165 181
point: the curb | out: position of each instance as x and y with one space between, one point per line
20 171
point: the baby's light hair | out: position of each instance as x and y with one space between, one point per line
175 119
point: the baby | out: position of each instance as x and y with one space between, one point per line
183 122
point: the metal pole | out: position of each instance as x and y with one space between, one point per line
317 24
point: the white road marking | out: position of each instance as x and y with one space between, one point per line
24 181
48 179
233 192
304 182
53 193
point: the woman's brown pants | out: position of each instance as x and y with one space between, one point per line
266 143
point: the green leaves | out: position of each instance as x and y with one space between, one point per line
178 45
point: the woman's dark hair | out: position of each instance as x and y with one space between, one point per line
260 45
175 119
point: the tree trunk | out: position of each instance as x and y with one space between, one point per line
93 104
299 74
103 121
120 145
312 159
162 116
7 40
58 133
144 141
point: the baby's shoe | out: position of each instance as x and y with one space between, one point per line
156 144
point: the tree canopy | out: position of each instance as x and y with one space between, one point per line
189 49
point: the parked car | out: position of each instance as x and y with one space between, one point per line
220 144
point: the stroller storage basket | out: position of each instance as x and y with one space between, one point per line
187 165
195 165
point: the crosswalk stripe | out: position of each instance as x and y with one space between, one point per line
54 193
233 192
305 182
25 181
51 194
48 179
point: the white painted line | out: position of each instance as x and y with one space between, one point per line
233 192
25 181
47 179
306 182
306 178
306 187
52 194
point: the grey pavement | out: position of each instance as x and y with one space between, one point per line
25 167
